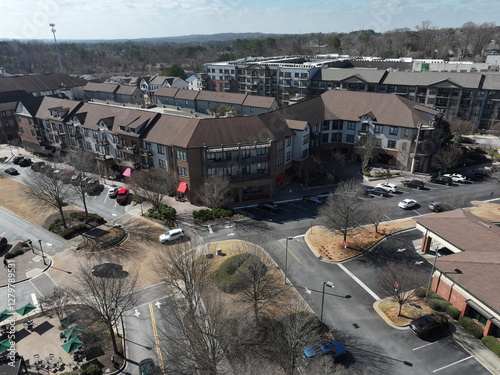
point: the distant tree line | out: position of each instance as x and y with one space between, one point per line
141 58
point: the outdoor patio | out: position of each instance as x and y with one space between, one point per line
45 346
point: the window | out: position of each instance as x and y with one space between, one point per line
182 171
288 156
261 167
335 137
378 129
305 153
261 152
181 155
431 100
406 133
281 145
94 134
86 132
280 160
351 125
349 138
378 142
88 146
161 149
326 125
288 141
391 144
115 139
393 130
124 142
97 148
162 163
324 138
305 139
403 146
211 171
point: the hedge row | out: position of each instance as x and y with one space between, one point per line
73 231
438 304
91 217
230 278
114 241
492 343
164 212
206 215
472 327
453 312
15 253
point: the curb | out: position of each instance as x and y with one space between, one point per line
401 327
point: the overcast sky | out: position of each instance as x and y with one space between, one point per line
127 19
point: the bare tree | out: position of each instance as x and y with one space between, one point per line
461 126
56 301
153 185
215 192
343 210
265 285
447 157
458 200
364 149
399 282
84 163
48 191
375 218
105 297
291 334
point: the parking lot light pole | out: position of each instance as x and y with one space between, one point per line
286 255
43 256
330 285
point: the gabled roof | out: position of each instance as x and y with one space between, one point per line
49 103
40 82
126 90
296 124
31 103
168 92
101 87
172 130
465 80
221 97
259 101
92 113
186 94
477 267
160 80
386 108
359 75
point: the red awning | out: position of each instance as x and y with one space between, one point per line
182 187
127 172
281 178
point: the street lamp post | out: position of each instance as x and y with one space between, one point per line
286 255
43 256
330 285
53 29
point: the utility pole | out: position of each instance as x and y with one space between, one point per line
52 25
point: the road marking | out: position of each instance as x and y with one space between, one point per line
431 343
291 252
157 340
453 364
417 212
362 284
209 228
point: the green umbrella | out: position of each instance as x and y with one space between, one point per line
4 315
73 331
70 319
72 345
4 346
26 309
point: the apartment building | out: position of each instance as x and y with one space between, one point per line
259 153
113 93
469 95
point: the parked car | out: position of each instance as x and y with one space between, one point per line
12 171
314 199
122 196
171 235
47 170
36 166
377 191
389 187
470 175
17 159
416 184
333 349
75 179
437 206
112 192
107 270
443 180
407 203
3 243
146 367
482 172
92 185
427 323
456 177
269 206
24 162
66 176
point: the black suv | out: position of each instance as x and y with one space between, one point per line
427 323
416 184
442 180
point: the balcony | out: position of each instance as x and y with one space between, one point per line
145 152
250 176
363 132
255 159
213 163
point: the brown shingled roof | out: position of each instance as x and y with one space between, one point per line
477 267
50 102
166 91
186 94
388 109
40 82
172 130
126 90
259 101
101 87
221 97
